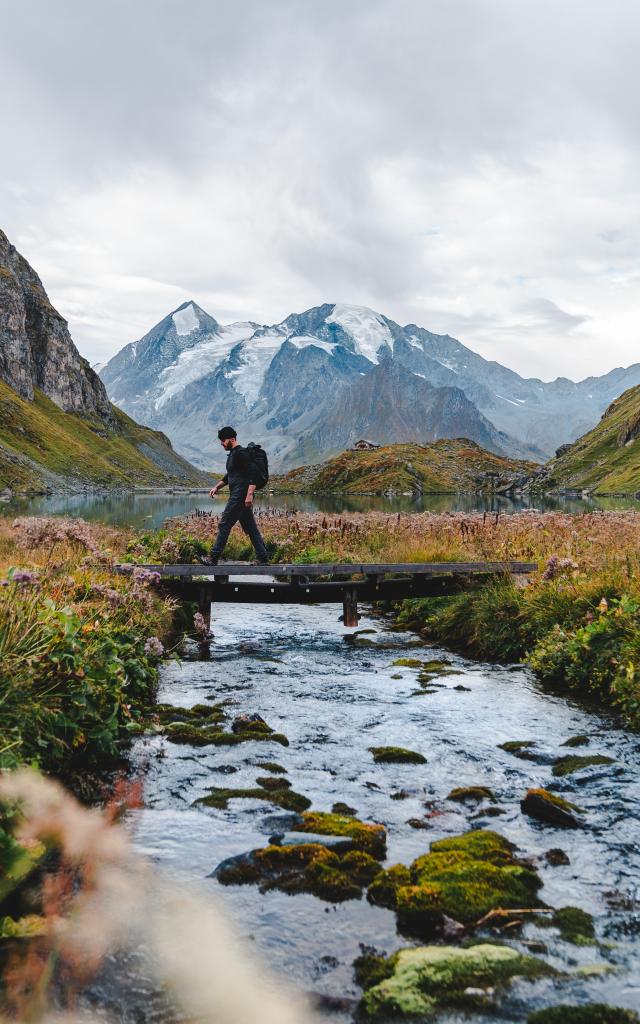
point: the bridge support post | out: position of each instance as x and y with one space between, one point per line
204 607
350 615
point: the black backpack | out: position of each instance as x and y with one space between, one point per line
259 464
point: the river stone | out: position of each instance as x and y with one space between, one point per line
339 844
550 809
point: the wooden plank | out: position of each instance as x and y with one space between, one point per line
333 569
350 607
238 592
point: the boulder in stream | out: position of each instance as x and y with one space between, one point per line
591 1013
422 981
550 809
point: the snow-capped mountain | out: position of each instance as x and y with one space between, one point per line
315 382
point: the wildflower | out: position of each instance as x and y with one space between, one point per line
200 625
603 606
23 576
154 647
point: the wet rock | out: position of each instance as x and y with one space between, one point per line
396 755
534 946
489 812
408 663
464 878
419 823
556 857
592 1013
574 763
224 769
516 746
461 688
250 723
400 794
425 980
576 741
198 736
339 844
307 867
550 809
474 793
367 836
270 783
340 808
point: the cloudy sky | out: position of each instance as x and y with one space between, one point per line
472 166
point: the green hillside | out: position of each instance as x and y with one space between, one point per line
607 459
41 446
444 467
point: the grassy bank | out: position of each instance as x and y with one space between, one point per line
577 622
78 645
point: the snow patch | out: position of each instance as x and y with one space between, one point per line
256 356
304 340
197 362
447 365
510 400
185 320
367 328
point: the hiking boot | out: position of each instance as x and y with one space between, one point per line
260 561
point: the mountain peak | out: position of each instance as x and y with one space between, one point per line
368 329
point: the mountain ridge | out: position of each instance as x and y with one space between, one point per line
279 384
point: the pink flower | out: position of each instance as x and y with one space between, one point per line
154 647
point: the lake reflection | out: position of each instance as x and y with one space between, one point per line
151 510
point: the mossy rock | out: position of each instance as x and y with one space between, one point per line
408 662
199 715
575 762
575 925
556 857
307 867
396 755
576 741
462 878
367 836
342 808
428 979
271 766
592 1013
550 809
477 793
516 746
271 783
198 736
281 796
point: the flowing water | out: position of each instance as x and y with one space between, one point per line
301 670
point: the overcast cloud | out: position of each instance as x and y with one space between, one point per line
472 166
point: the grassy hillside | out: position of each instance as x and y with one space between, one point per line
607 459
40 445
444 467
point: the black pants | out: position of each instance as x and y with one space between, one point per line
235 511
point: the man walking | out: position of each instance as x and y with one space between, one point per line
240 477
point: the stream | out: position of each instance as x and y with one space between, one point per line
334 698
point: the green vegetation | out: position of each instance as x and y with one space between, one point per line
42 445
447 466
475 793
606 460
420 982
463 878
573 763
574 925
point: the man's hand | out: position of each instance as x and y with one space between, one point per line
214 491
249 498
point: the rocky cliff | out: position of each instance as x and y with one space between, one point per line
36 349
58 428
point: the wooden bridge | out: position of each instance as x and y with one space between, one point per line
347 584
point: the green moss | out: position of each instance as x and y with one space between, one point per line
463 793
576 741
396 755
574 762
407 663
592 1013
366 836
307 867
271 766
17 862
575 925
270 783
428 979
463 877
553 798
371 968
283 797
199 716
28 927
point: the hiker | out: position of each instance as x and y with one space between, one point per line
242 476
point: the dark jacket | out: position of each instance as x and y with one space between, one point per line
239 469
